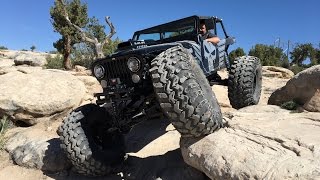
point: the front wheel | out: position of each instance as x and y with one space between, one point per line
89 146
184 93
245 81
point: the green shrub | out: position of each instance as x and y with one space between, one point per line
290 105
4 126
83 62
53 52
3 48
55 62
33 47
82 55
296 69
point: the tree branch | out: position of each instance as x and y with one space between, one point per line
112 30
82 33
94 40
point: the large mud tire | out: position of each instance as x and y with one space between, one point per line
90 154
245 81
184 93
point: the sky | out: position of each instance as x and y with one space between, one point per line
26 23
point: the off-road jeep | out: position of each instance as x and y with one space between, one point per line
162 71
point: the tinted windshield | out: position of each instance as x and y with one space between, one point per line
165 31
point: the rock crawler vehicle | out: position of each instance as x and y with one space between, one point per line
162 72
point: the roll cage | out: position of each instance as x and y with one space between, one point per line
182 29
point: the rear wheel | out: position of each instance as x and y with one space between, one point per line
91 149
184 93
245 81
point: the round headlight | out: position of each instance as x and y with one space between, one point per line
98 71
133 64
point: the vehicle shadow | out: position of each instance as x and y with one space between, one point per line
144 133
169 166
144 159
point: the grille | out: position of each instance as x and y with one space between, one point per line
118 69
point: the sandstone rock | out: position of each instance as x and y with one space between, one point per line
260 142
81 73
91 84
28 69
26 57
269 85
79 68
88 80
279 72
313 104
7 69
154 153
302 88
39 93
4 62
32 60
36 148
24 69
21 173
221 93
153 148
10 54
4 159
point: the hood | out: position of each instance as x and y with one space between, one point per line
140 47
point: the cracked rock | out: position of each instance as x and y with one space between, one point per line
260 142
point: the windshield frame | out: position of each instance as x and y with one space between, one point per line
191 22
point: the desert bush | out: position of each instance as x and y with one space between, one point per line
3 48
290 105
82 55
4 126
54 62
296 69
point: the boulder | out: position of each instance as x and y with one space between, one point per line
30 59
152 146
91 83
303 89
10 54
313 104
24 69
7 69
259 142
93 86
36 94
36 148
79 68
4 62
25 57
279 72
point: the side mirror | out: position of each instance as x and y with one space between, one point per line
230 40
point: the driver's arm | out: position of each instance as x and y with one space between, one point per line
213 38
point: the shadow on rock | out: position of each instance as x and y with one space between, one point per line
144 133
153 153
55 159
169 166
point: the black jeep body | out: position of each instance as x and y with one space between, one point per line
134 89
162 72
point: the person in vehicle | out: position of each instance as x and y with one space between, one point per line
207 35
